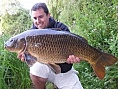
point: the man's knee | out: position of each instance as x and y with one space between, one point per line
38 82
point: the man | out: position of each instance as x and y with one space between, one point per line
41 73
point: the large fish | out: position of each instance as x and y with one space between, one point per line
50 46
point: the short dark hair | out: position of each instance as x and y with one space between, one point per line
39 6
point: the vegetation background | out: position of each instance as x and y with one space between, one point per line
95 20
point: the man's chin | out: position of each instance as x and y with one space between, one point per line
41 27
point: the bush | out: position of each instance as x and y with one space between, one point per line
97 21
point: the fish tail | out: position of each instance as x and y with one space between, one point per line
99 70
105 60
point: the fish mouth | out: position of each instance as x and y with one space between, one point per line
7 47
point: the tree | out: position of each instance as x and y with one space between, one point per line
10 7
14 18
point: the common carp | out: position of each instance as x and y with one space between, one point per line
52 46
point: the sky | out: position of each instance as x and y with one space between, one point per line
29 3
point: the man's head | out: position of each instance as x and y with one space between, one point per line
40 15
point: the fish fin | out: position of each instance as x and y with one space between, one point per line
81 38
104 60
29 59
99 70
57 29
55 68
107 59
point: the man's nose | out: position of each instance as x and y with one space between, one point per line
38 20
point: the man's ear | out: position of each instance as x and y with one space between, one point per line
49 15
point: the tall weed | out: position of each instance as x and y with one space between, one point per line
14 74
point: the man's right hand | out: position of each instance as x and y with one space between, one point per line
21 56
73 59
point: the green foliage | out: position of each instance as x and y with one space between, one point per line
13 73
97 21
16 23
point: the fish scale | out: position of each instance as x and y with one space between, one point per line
51 46
58 46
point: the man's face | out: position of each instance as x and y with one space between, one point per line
40 18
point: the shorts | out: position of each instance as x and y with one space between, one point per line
68 80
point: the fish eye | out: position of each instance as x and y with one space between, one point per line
11 40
